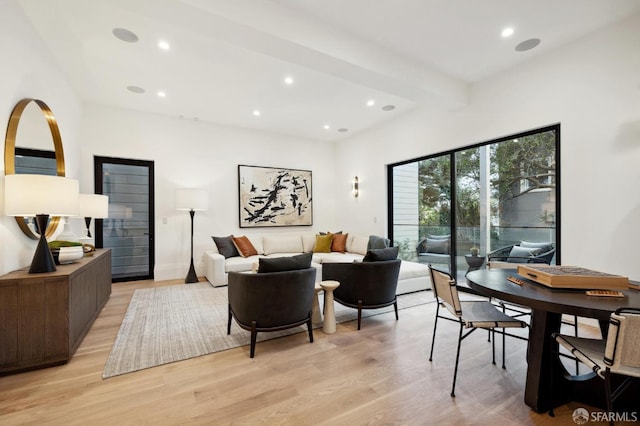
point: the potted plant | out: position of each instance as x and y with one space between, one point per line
474 250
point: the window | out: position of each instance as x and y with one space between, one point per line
477 199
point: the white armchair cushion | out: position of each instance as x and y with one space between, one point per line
282 244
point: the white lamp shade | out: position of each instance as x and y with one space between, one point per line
29 195
191 199
94 205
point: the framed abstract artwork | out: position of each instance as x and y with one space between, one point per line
271 196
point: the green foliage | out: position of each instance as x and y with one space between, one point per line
58 244
522 165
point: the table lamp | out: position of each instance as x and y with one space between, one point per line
93 206
191 200
41 196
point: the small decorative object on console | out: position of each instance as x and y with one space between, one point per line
66 251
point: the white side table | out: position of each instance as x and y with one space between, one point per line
329 325
316 315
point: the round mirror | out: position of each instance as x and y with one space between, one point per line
32 127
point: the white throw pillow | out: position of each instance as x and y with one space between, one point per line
359 244
282 244
308 241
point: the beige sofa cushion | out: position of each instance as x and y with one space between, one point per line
240 264
256 240
308 241
357 244
282 244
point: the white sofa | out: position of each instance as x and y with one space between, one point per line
413 276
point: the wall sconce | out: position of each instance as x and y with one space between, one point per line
355 186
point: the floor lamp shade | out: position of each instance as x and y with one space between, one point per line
41 196
192 200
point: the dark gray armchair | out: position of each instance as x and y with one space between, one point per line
271 301
364 285
524 252
435 249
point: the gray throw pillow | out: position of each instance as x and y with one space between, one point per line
377 255
226 247
376 242
544 247
522 254
281 264
438 246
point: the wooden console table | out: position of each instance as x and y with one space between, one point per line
44 317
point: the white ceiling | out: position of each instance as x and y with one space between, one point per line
229 57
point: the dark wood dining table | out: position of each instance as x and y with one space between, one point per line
547 306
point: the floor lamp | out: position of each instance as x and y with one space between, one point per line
41 196
191 200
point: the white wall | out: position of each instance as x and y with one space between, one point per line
190 154
29 71
592 88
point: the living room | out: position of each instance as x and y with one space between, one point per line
589 85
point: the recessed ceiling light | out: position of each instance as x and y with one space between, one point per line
342 130
388 107
163 45
162 94
507 32
288 80
527 45
125 35
371 102
135 89
326 127
256 112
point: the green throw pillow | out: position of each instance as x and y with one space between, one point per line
323 243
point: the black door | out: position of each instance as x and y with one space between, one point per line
128 231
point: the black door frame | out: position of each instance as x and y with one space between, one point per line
98 162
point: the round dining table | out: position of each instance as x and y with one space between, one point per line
547 306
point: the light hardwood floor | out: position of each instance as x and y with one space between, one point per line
378 375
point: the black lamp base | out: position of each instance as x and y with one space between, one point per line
42 258
191 275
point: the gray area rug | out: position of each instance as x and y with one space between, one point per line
174 323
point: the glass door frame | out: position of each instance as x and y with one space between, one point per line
453 177
99 230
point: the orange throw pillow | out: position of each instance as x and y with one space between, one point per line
339 242
244 246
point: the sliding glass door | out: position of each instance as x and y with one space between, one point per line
453 209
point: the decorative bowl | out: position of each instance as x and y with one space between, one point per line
64 255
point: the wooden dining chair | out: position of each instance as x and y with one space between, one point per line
618 354
471 315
